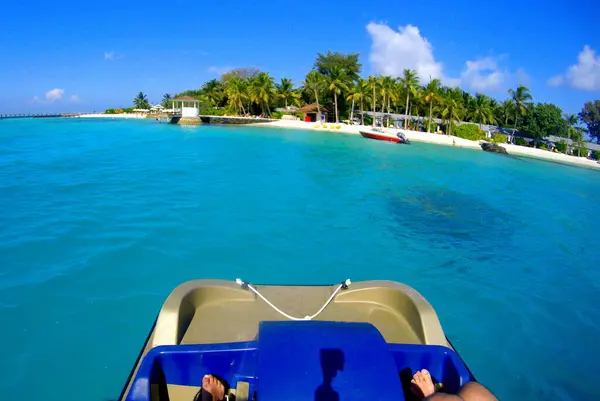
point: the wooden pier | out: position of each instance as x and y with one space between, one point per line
38 115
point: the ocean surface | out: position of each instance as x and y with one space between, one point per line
100 220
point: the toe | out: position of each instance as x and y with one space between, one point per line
426 374
220 390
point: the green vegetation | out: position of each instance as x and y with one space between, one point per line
499 138
335 83
469 131
285 91
521 142
428 124
409 84
481 110
561 147
521 99
314 82
166 102
431 94
590 115
141 101
452 109
118 111
544 119
359 93
595 155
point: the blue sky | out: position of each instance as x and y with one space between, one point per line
86 56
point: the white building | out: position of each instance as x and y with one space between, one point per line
187 106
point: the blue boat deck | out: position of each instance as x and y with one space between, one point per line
317 361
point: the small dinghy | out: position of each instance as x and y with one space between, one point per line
350 341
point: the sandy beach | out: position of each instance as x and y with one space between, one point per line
447 140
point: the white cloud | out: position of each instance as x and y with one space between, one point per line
482 75
54 94
50 96
556 81
111 56
218 70
584 75
74 99
393 51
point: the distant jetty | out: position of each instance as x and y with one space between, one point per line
39 115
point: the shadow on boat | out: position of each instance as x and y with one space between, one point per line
332 361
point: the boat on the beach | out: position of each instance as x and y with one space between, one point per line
381 135
351 341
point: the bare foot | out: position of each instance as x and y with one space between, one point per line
423 383
214 387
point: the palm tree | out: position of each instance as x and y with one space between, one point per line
285 91
263 91
354 94
387 86
314 82
431 95
214 92
250 93
481 110
141 101
236 91
417 103
336 83
393 96
522 98
452 108
505 110
372 83
359 92
577 137
409 82
166 99
571 120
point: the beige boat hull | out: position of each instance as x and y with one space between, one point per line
218 311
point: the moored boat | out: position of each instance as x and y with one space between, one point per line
381 135
357 340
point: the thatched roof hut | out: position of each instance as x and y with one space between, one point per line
310 110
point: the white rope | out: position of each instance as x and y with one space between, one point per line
345 284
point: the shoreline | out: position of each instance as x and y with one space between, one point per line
112 116
437 139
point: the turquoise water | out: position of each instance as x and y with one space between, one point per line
99 220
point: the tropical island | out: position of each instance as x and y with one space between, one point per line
334 92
